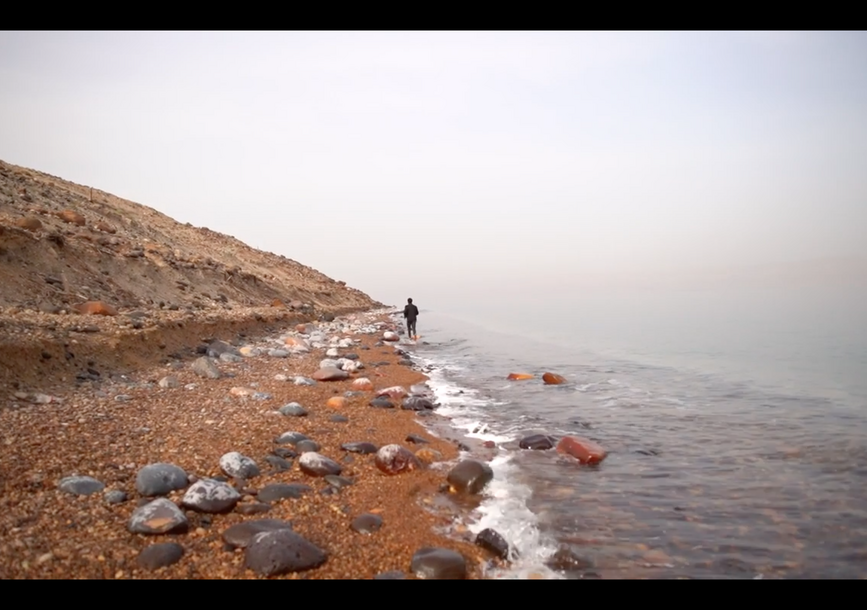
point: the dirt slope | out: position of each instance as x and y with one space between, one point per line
170 284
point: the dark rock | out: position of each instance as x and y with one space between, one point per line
160 555
306 446
290 438
366 524
317 465
363 448
239 466
470 476
210 496
284 453
340 419
381 402
253 508
116 496
81 486
538 442
351 356
391 575
279 491
415 438
492 541
565 559
241 534
282 551
338 482
417 403
438 564
278 463
160 516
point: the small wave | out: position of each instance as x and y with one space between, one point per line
505 511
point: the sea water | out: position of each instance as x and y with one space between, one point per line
735 425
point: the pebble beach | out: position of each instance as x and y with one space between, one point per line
309 452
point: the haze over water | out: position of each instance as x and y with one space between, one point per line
736 422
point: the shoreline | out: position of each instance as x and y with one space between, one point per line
111 427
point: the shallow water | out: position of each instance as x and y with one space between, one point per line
716 468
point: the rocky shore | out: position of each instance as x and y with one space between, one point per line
294 452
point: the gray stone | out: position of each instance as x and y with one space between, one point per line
228 357
161 516
205 367
277 463
317 465
381 402
338 482
290 438
438 564
304 381
169 382
253 508
340 419
210 496
278 353
282 551
160 479
306 446
280 491
363 448
239 466
116 496
241 534
417 403
81 485
218 348
293 409
415 438
160 555
537 442
366 524
470 476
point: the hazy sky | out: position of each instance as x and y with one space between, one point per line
452 165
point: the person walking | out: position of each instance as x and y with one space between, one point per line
410 312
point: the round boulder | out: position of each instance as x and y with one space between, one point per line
211 496
282 551
160 555
394 459
239 466
470 477
438 564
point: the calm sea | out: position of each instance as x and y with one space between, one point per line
736 426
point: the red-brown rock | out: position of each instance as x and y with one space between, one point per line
397 392
105 227
73 217
518 376
330 374
394 459
585 451
277 303
29 223
99 308
553 379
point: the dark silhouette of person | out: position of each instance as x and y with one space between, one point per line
410 312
